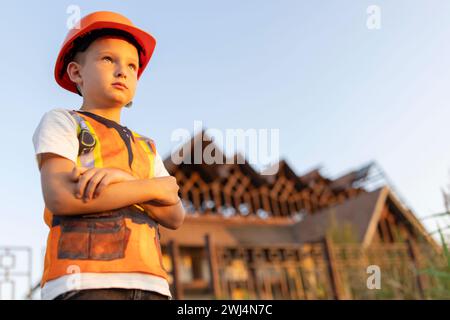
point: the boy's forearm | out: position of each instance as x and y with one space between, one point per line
114 196
170 217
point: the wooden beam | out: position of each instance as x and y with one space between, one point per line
334 273
175 256
213 267
415 256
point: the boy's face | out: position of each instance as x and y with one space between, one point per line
107 61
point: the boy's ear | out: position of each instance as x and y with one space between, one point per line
73 70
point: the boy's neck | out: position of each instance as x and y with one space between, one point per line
108 113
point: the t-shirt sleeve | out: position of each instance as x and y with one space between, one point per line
56 133
160 169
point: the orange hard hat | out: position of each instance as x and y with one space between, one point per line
102 20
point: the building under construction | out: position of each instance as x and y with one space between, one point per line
284 236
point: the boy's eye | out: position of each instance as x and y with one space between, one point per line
107 59
133 67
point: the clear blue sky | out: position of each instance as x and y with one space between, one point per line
341 94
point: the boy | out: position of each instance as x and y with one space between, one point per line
105 187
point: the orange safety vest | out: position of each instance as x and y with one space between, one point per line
123 240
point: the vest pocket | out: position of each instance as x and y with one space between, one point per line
85 238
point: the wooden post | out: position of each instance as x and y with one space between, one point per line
338 291
175 256
415 256
213 267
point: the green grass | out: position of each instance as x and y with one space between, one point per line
439 273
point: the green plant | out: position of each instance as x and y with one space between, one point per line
343 232
439 273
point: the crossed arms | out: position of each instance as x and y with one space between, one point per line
71 190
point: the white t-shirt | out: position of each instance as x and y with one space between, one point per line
57 133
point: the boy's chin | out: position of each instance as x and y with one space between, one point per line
116 99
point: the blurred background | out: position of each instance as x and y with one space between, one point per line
357 93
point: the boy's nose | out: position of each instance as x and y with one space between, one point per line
120 73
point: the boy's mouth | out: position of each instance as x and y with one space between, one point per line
120 85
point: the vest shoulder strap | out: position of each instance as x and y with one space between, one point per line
86 137
148 141
81 122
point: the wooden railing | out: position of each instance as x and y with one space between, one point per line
321 270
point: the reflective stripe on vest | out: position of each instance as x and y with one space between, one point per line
88 159
122 240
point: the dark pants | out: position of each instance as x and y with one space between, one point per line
111 294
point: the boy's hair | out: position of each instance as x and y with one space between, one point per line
82 43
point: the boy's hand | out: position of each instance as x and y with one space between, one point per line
91 181
166 192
